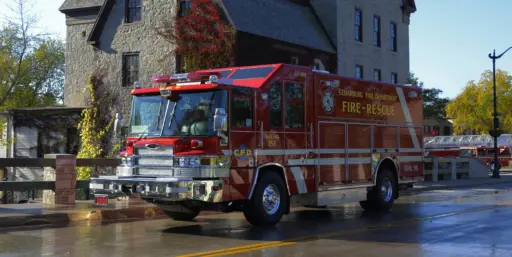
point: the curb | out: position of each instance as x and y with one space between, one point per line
138 213
424 189
63 218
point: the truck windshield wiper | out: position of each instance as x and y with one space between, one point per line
173 114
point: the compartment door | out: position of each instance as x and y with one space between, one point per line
358 156
331 153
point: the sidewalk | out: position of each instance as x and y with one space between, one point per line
505 178
33 214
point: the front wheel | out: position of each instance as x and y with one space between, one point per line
382 196
269 201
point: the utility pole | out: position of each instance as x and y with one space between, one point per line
496 121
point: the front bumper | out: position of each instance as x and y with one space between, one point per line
166 189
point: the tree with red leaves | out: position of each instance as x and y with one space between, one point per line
201 37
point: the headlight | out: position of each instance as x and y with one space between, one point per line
194 161
183 161
201 161
127 161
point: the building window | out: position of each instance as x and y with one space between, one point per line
359 71
185 6
180 64
394 78
392 37
242 108
130 69
358 25
276 103
294 60
377 75
447 131
376 31
133 10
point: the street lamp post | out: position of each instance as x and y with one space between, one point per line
495 172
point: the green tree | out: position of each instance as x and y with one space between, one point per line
472 109
434 106
31 64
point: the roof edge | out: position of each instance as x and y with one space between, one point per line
324 29
73 10
410 4
221 5
105 10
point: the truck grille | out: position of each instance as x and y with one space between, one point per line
154 161
165 150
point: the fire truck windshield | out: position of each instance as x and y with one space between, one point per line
187 113
147 115
192 113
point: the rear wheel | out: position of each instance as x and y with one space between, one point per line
269 201
492 164
382 196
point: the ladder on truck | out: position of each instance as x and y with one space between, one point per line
504 140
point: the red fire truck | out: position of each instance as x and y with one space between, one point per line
258 139
477 146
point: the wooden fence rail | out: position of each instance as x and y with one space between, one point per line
49 162
70 164
37 185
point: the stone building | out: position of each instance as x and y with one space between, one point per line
372 36
335 35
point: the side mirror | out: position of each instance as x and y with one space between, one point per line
117 123
220 120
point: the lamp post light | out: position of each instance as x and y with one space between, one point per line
496 171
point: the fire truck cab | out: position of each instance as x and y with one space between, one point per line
259 139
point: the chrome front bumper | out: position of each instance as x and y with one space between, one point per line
166 189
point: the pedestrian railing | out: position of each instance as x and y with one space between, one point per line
446 168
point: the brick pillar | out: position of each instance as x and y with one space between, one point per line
64 175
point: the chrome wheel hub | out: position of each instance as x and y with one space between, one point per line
386 189
271 199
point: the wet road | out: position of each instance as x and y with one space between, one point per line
474 222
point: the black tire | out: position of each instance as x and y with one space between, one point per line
254 210
181 213
491 166
377 200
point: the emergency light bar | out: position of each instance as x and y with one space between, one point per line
212 77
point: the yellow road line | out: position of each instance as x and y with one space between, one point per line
233 249
251 249
293 241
